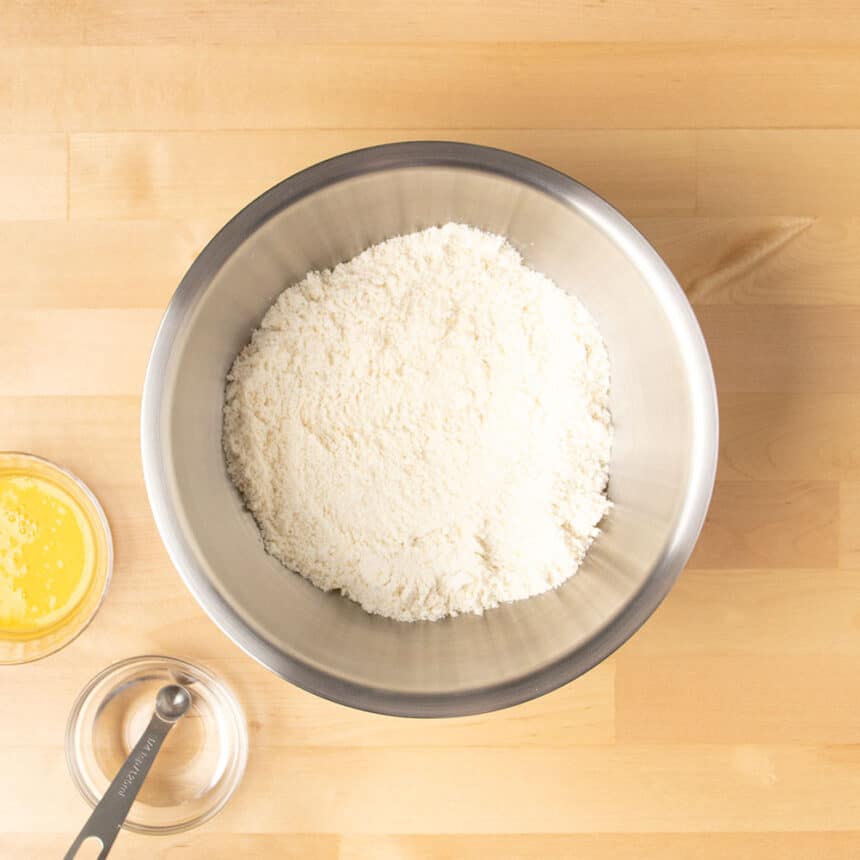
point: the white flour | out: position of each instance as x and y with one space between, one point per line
424 427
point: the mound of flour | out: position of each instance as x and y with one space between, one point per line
425 427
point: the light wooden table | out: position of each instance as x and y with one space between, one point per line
729 727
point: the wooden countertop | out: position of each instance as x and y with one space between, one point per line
729 132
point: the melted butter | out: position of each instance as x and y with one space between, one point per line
47 554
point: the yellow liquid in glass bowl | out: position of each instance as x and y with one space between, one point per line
56 557
47 553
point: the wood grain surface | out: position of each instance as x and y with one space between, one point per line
729 727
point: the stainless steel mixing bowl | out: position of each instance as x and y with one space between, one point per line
663 405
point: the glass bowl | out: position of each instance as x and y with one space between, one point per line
203 757
32 645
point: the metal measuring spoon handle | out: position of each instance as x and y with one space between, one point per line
107 818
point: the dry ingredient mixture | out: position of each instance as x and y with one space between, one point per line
424 427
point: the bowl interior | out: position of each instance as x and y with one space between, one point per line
662 405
